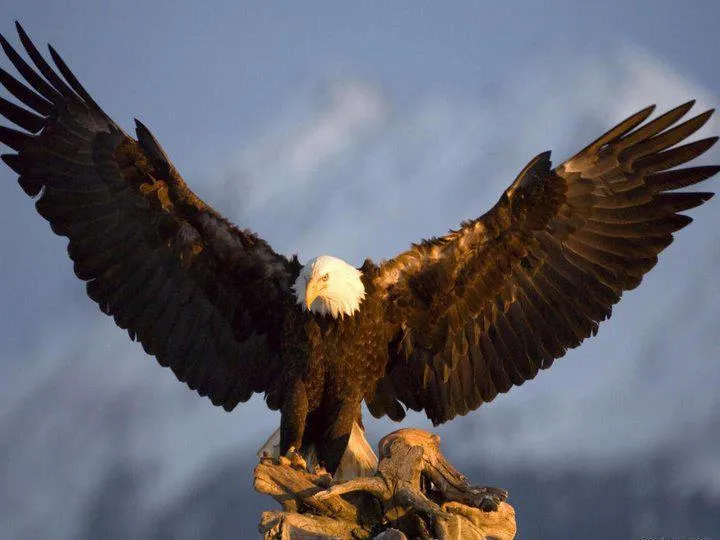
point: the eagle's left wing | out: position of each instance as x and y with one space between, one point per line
207 299
485 307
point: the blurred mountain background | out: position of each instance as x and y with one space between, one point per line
350 129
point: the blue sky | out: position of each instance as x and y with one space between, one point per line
353 129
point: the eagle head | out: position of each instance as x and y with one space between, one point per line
329 286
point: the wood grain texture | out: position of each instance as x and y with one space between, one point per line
416 492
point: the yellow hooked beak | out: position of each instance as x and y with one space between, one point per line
312 291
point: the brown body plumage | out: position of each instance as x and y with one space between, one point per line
443 327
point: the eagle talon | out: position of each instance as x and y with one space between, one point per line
294 460
323 477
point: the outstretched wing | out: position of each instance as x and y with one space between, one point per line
485 307
204 297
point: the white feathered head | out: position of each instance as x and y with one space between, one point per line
329 286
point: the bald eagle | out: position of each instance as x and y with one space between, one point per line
442 328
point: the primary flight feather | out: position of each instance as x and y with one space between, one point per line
442 327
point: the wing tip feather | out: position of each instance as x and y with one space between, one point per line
13 161
689 104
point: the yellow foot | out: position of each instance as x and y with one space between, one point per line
324 478
293 459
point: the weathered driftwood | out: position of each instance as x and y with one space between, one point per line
415 493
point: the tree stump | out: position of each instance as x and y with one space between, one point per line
415 493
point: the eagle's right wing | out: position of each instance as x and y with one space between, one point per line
485 307
204 297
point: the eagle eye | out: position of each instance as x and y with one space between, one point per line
325 277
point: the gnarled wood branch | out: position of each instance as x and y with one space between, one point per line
415 493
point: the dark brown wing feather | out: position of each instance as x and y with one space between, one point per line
204 297
485 307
